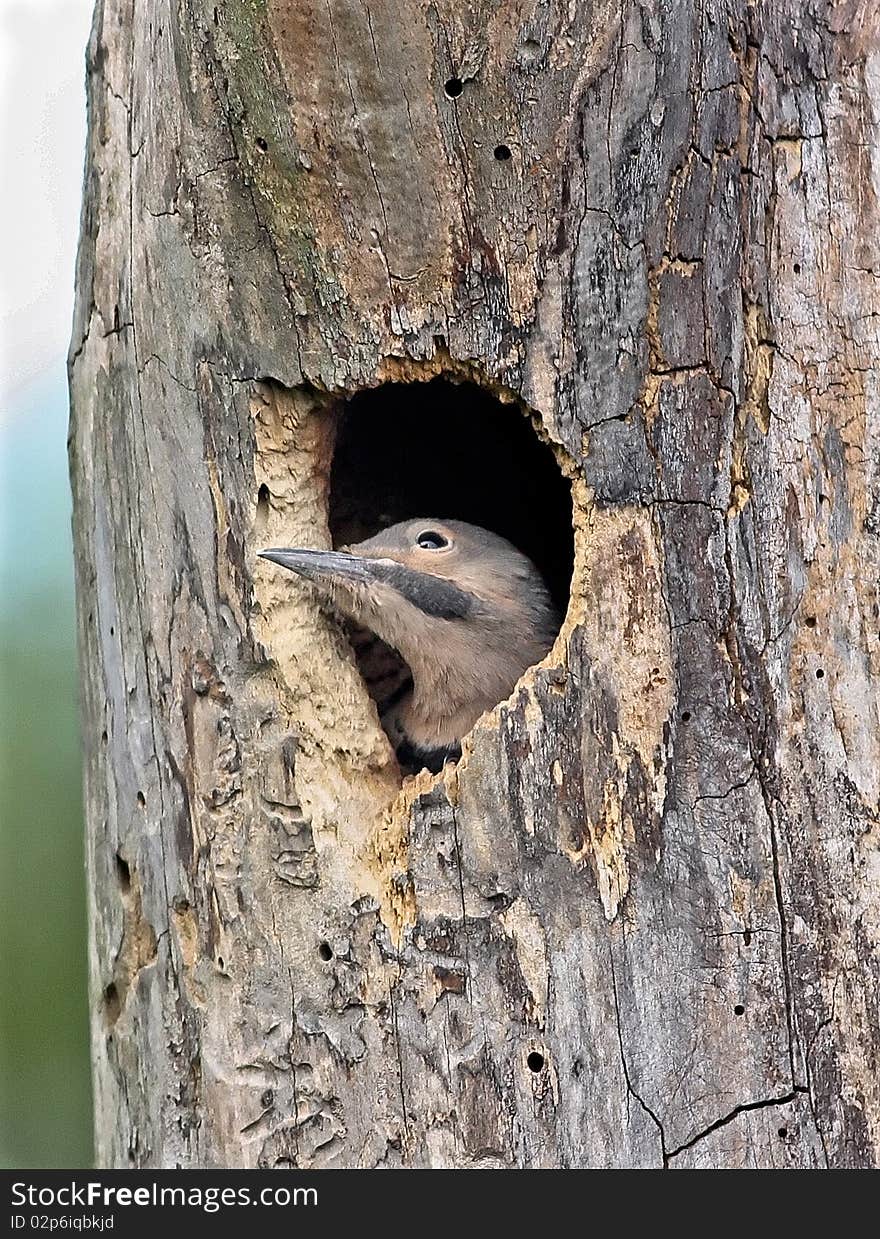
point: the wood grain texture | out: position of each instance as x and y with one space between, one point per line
653 876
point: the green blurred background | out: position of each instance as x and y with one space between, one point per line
45 1104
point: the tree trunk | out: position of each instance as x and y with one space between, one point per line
637 925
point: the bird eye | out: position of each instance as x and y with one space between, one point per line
430 540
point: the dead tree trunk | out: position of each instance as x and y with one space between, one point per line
637 925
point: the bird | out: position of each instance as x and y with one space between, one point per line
463 608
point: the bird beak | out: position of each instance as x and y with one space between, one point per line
352 579
322 567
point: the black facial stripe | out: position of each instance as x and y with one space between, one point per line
431 594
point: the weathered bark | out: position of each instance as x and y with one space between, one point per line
636 926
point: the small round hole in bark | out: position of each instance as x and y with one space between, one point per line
739 1009
325 951
502 152
261 144
263 512
141 799
453 87
123 873
685 716
810 621
111 1003
820 674
782 1133
535 1061
797 268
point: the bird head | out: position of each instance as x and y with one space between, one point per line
462 606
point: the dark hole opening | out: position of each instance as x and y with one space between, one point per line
123 873
819 673
502 152
112 1003
451 451
747 937
685 716
535 1061
739 1009
262 145
810 621
783 1132
325 951
454 87
447 451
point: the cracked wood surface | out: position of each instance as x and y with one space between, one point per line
638 925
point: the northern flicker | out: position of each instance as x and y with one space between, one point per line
465 610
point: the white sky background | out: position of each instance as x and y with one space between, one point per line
42 140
